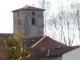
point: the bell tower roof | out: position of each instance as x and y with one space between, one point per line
28 8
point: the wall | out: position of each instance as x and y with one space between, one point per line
26 27
72 55
18 22
37 29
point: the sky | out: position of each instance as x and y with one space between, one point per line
6 16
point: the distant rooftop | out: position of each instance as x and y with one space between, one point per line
28 8
5 35
58 51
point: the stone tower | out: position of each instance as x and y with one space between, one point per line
28 21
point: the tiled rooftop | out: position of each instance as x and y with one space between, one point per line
40 46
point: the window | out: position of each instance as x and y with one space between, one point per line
39 15
19 23
33 13
18 13
33 21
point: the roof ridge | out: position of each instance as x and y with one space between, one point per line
38 42
6 33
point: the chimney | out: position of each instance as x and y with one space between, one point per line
48 52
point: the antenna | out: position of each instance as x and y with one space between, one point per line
48 52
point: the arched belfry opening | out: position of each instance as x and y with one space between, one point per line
33 21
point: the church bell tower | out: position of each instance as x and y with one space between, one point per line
29 21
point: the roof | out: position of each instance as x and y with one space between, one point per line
59 51
28 8
5 35
41 41
40 45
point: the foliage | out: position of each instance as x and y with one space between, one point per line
15 48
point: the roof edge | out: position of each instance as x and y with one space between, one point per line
38 42
28 8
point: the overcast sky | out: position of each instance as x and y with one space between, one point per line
6 16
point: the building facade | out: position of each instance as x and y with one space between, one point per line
72 55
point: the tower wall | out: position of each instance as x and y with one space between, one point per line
37 29
29 22
18 22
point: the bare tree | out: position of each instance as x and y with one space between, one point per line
45 5
67 21
65 24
